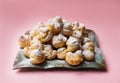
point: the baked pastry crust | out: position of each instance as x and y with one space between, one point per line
74 58
24 41
59 41
45 34
27 51
72 44
88 46
37 56
61 53
88 55
49 52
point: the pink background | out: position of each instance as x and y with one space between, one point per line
102 16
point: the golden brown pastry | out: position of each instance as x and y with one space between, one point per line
55 24
49 52
78 26
88 46
85 40
27 51
37 56
72 44
33 33
67 29
36 44
59 41
81 27
36 29
74 58
88 55
45 34
77 34
61 53
75 25
24 41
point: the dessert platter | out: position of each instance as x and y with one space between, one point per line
59 43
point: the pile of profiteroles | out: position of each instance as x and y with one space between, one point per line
57 39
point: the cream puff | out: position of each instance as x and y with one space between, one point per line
85 40
24 41
75 25
67 29
33 33
88 55
45 34
81 27
37 56
55 25
72 44
59 41
58 19
88 46
36 45
49 52
74 58
61 53
77 34
27 51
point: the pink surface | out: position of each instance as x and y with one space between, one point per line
102 16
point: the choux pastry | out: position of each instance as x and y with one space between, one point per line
72 44
75 25
27 51
61 53
88 46
24 41
55 24
74 58
36 45
88 55
45 34
59 41
37 56
67 29
77 34
49 52
81 27
85 40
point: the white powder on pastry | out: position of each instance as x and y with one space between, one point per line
79 52
72 41
67 26
44 29
87 45
81 25
70 53
77 34
86 40
37 52
57 18
88 53
47 47
37 45
76 24
32 33
57 25
62 37
61 49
